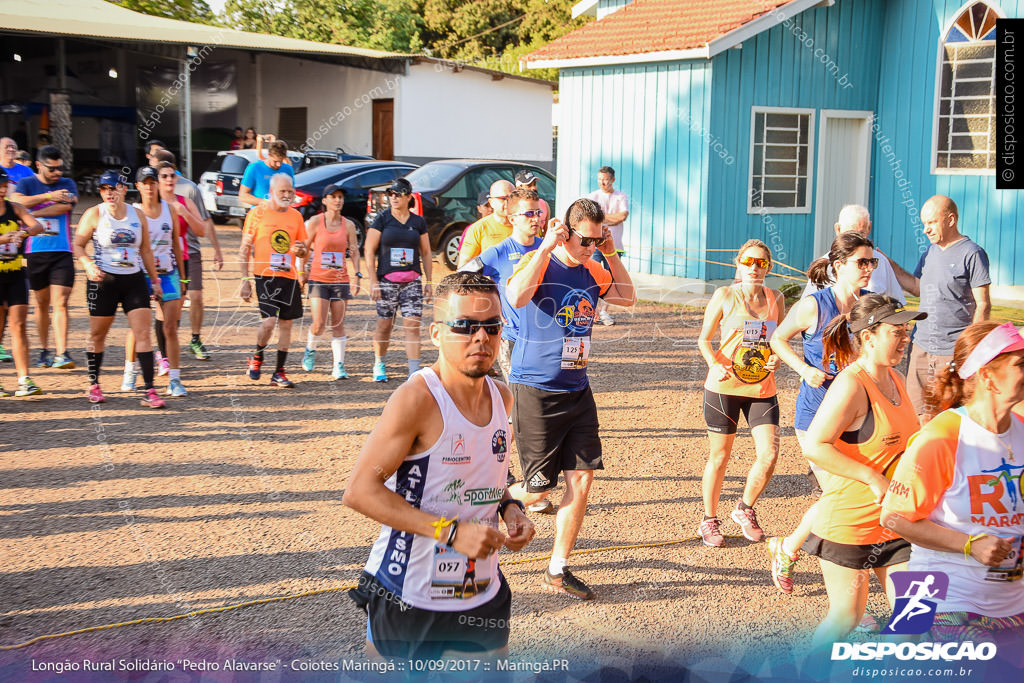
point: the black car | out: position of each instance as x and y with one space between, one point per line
354 177
446 193
219 184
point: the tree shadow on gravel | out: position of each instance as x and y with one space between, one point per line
75 584
60 477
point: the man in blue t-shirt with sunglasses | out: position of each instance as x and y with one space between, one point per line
554 417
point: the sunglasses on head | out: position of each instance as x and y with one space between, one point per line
587 241
753 261
532 213
491 326
866 263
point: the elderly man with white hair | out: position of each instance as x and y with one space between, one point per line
274 245
883 279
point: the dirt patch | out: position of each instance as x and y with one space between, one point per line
115 513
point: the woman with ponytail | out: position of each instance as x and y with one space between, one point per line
852 260
956 493
861 429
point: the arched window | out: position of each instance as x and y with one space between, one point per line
965 134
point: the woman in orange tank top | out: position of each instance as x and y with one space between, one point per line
330 269
741 379
858 435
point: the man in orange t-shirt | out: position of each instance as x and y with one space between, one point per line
274 244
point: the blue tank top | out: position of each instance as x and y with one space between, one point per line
809 398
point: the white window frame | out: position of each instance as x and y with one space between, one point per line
808 199
939 53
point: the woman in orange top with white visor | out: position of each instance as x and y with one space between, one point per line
956 494
857 436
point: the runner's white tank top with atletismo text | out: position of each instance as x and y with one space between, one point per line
462 475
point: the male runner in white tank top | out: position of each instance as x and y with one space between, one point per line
431 586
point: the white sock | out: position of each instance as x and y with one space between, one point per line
556 565
175 373
338 349
414 365
137 366
311 340
129 366
23 379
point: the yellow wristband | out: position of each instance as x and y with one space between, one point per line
441 524
967 546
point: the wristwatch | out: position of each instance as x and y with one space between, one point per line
511 501
359 275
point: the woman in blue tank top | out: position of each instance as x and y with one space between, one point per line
852 258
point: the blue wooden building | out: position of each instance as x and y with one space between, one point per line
732 119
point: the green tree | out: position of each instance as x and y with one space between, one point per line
196 11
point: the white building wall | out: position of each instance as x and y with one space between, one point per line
338 99
440 113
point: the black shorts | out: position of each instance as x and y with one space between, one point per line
332 291
47 268
884 554
722 411
556 431
400 630
13 288
194 268
130 291
279 297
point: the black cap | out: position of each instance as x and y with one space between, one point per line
145 173
892 313
332 188
481 199
524 178
400 186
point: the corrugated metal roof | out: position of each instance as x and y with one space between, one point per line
99 19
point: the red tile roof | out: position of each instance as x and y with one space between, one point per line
655 26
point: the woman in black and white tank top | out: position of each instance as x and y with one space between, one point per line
120 250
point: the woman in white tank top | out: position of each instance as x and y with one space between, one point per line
162 219
114 270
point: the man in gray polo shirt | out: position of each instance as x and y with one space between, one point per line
953 282
187 188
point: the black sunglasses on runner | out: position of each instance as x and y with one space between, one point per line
588 241
491 326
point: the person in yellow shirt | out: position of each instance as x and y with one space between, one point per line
490 230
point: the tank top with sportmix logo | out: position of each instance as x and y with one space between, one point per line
462 475
329 254
116 242
744 347
161 236
847 510
961 476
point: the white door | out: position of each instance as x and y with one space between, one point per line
844 166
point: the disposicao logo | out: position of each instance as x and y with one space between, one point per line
917 595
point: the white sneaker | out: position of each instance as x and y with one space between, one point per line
128 380
605 318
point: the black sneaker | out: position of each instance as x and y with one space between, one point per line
568 584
